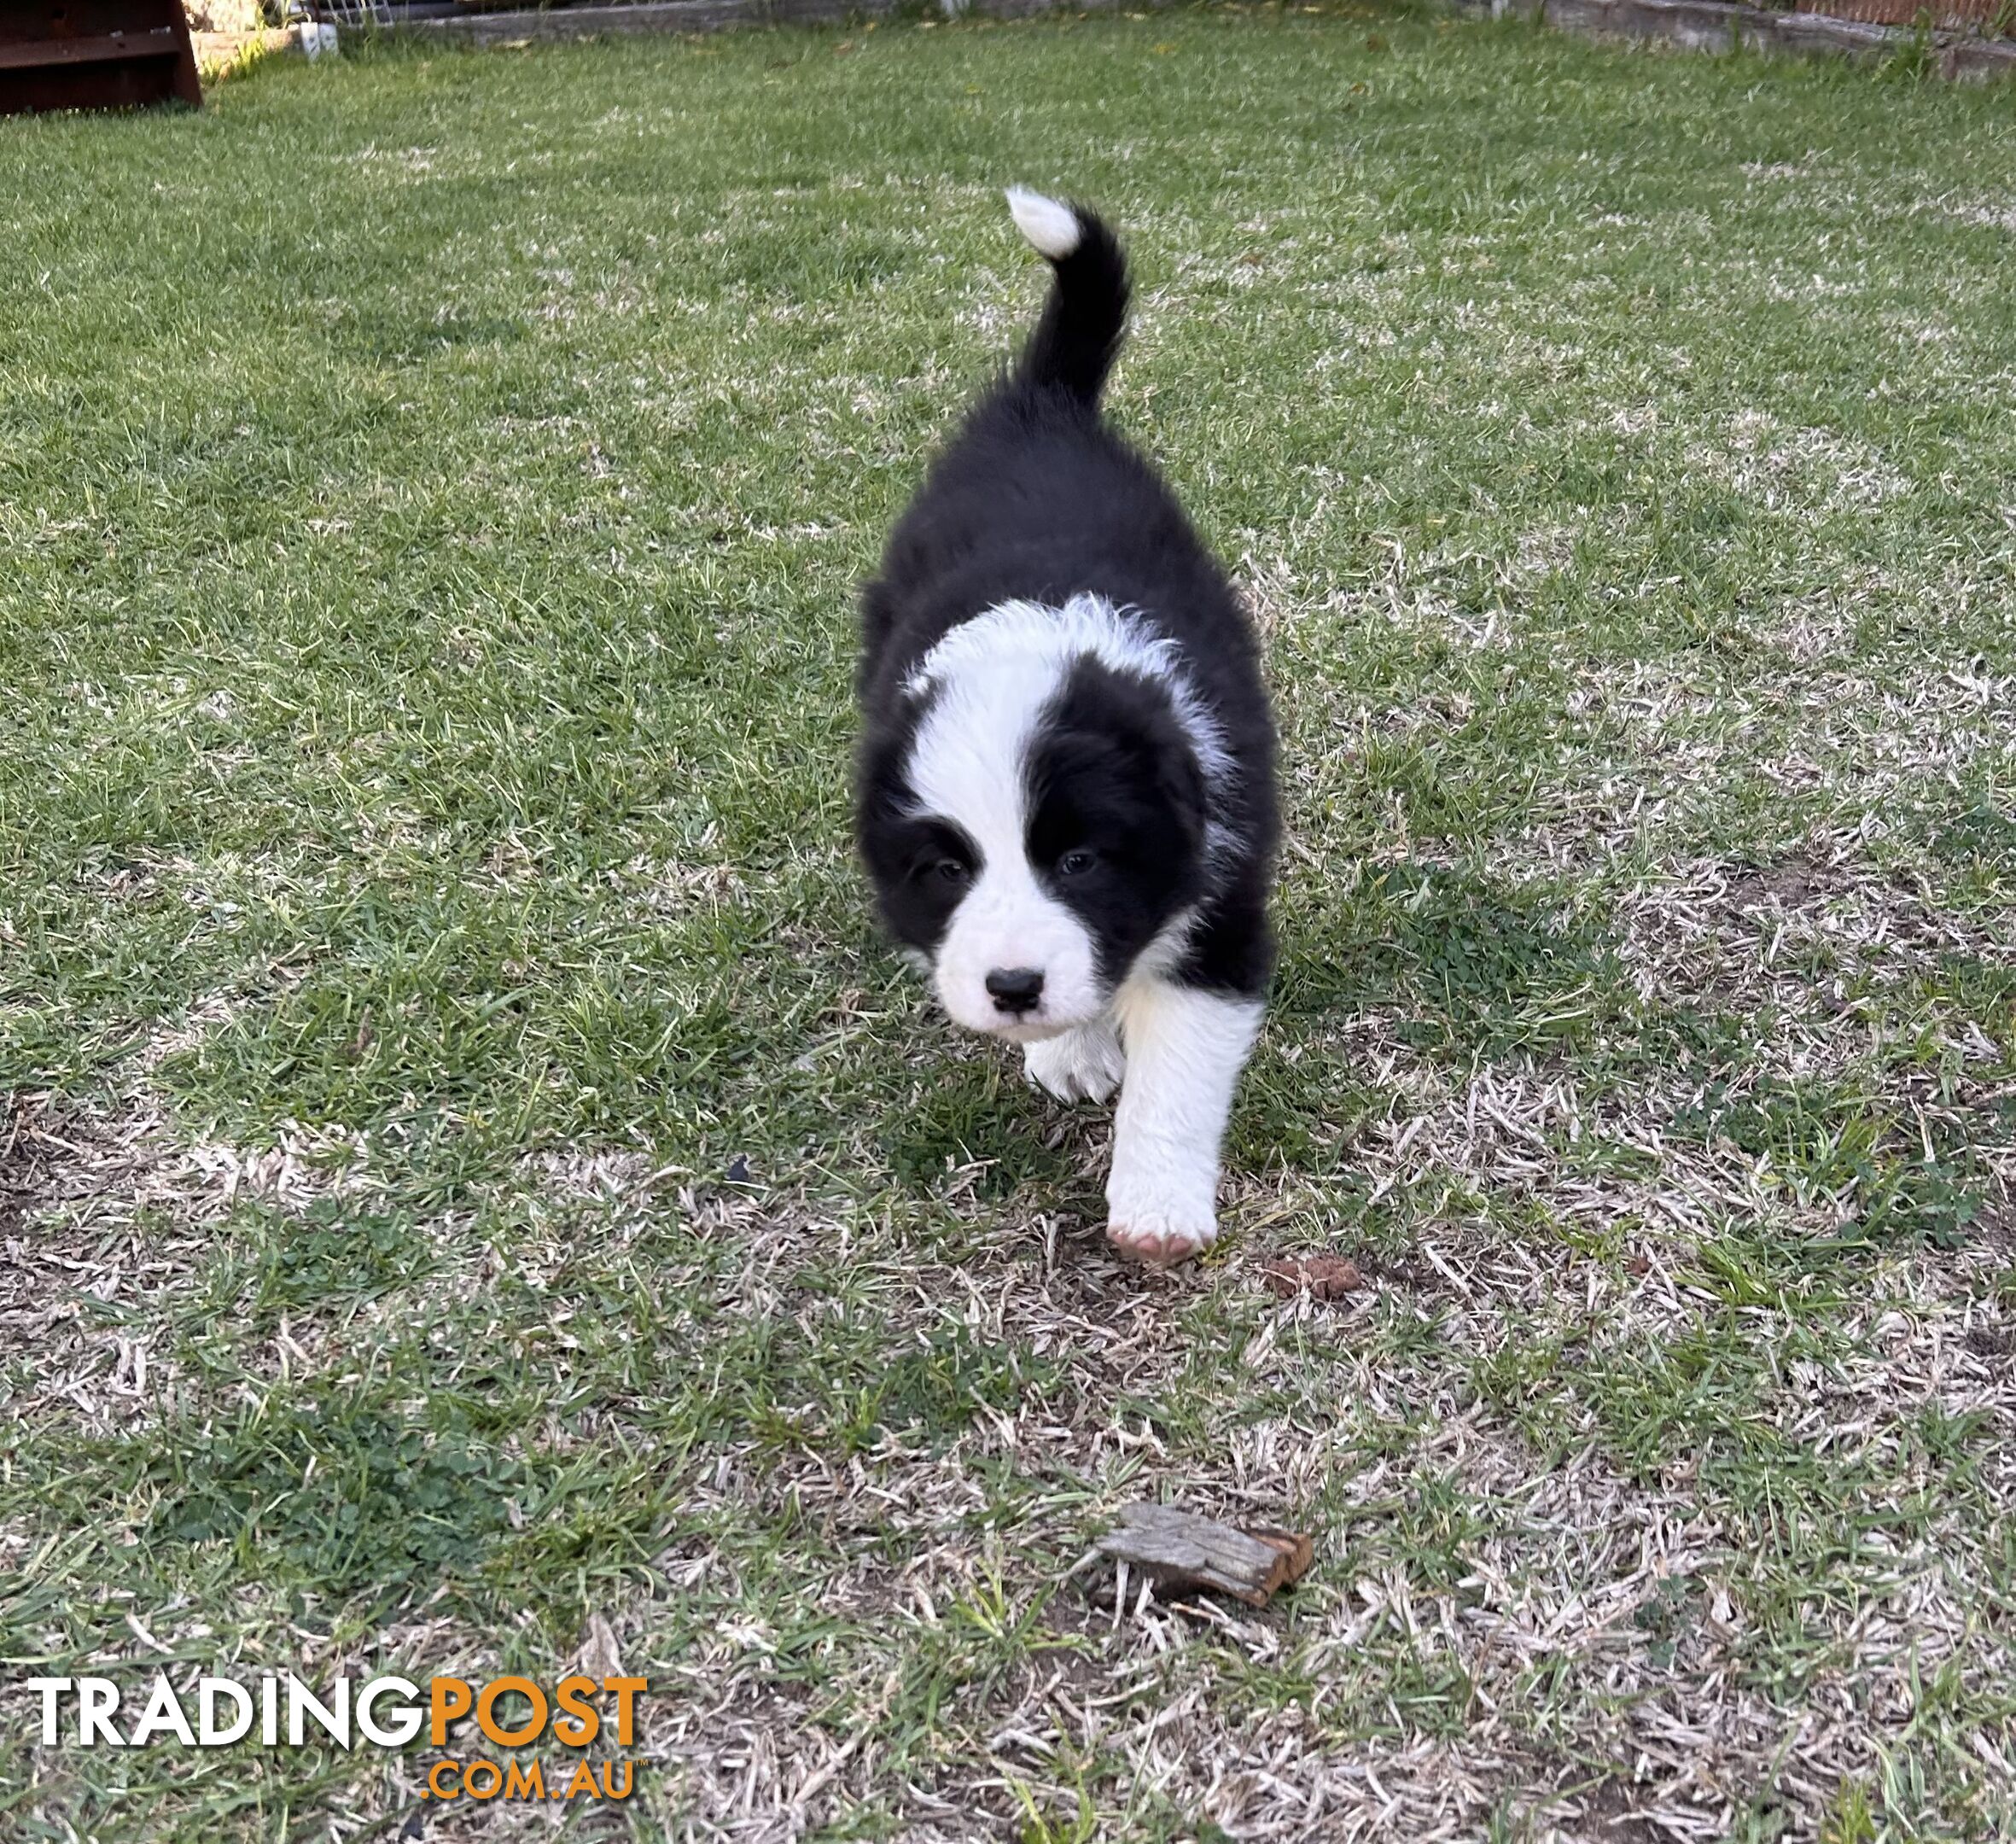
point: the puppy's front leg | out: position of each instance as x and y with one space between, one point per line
1184 1049
1084 1065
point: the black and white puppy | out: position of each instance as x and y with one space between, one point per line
1066 797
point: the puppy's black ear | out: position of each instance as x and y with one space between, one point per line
1123 732
882 804
1178 775
1146 725
879 784
881 762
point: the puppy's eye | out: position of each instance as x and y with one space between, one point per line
950 871
1075 863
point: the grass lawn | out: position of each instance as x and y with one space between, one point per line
476 1195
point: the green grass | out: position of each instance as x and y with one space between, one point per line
474 1175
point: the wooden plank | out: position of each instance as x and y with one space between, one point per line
106 49
1717 24
1947 14
95 53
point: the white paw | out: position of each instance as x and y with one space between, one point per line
1161 1240
1163 1216
1084 1065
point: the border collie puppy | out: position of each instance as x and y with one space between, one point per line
1065 788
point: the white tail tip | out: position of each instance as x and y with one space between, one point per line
1051 228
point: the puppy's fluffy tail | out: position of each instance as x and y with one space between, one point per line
1076 341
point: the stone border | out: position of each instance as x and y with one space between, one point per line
1714 25
1698 25
710 15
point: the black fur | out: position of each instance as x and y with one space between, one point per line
1111 778
1078 338
1036 499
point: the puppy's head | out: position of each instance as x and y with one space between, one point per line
1033 816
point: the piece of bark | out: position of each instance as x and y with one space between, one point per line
1320 1276
1177 1549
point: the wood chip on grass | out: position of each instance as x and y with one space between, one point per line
1179 1550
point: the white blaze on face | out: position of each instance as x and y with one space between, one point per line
967 767
992 677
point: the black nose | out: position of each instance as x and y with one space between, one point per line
1015 989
